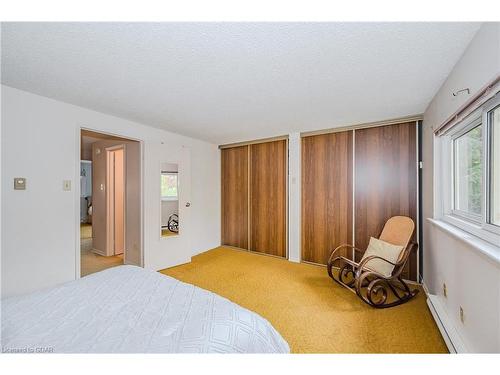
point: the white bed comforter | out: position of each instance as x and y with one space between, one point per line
127 309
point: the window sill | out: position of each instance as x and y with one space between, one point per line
485 248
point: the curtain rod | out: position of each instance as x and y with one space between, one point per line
483 95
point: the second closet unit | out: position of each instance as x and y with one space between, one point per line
385 182
353 181
254 197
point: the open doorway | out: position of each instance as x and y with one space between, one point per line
109 202
115 200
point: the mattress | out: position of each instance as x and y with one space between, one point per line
128 309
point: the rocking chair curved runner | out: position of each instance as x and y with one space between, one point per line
371 285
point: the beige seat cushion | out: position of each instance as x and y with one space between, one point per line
384 250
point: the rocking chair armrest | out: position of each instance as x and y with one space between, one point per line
371 257
411 246
362 265
368 258
343 246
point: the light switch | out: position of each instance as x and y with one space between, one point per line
19 183
67 185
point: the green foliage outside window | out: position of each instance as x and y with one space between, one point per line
469 171
169 185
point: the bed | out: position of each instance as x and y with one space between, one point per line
128 309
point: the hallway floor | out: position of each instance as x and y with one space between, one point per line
89 261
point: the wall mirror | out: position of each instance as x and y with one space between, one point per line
169 200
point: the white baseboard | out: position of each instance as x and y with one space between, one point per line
99 252
130 264
450 335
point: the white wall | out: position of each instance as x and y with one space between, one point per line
39 142
472 280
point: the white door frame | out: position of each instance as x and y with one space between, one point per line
76 191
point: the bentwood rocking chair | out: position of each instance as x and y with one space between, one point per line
381 266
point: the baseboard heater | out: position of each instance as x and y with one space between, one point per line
450 335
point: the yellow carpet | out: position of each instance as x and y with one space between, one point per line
167 232
312 313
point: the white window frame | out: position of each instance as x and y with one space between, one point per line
488 108
468 126
171 199
476 225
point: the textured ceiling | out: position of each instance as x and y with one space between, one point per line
227 82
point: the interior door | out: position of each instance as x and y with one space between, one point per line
167 251
119 201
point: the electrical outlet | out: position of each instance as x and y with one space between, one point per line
462 316
67 185
445 292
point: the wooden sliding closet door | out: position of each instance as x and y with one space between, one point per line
268 197
385 181
234 189
326 194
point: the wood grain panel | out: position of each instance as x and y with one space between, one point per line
326 194
268 189
385 181
234 189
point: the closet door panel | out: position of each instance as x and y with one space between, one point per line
385 181
326 195
268 189
234 190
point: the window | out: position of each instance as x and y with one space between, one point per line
494 160
468 172
471 173
169 186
